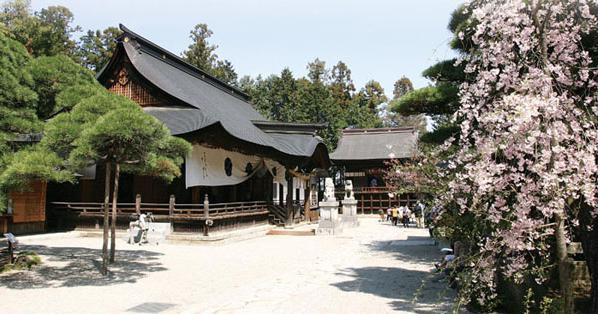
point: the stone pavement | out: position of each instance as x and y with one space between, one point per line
375 268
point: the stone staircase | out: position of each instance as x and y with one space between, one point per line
278 215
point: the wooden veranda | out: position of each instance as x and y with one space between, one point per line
182 217
371 199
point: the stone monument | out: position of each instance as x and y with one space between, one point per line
329 220
349 216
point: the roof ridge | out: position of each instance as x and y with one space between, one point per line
379 130
178 62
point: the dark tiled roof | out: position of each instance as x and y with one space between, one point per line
180 120
376 144
210 101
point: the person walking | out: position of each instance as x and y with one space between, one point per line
406 214
419 214
395 216
389 214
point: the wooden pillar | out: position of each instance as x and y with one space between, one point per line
206 215
290 190
138 204
307 201
195 195
362 200
171 212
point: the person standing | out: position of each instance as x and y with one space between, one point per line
395 216
382 214
406 214
419 214
389 214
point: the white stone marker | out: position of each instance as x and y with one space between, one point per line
349 216
329 220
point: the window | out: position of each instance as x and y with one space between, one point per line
228 167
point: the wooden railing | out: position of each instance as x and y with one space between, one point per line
171 210
377 189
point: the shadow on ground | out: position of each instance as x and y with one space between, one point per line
409 290
415 249
78 266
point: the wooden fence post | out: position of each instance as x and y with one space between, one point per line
206 214
138 204
171 212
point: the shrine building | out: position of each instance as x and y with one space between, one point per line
248 169
361 156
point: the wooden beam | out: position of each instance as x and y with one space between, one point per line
290 190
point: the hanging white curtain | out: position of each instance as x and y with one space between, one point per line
276 170
208 167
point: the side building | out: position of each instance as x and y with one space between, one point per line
245 168
361 156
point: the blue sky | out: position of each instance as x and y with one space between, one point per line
380 40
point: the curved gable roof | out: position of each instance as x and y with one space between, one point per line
211 101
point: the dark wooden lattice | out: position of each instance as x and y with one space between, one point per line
124 86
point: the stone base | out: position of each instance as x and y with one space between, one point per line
327 227
350 221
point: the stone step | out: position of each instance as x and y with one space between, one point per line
291 232
220 237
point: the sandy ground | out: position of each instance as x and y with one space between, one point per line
375 268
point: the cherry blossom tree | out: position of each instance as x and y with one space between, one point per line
525 166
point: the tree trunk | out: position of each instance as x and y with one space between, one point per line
588 226
104 269
564 267
114 202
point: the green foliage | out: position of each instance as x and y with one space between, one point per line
45 33
17 102
371 96
30 164
56 32
61 131
52 75
203 55
402 86
133 138
440 134
72 95
432 100
96 47
393 119
440 100
341 84
23 260
446 71
323 97
317 72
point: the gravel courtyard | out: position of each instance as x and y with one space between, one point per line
376 268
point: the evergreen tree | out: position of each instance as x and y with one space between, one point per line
202 54
371 96
341 84
440 100
316 98
51 75
402 87
316 71
48 32
17 102
127 139
96 47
